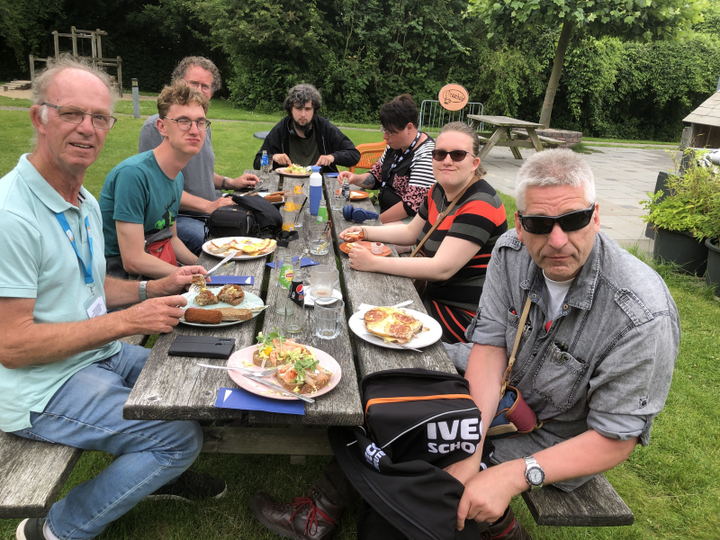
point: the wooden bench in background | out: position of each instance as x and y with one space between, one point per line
32 473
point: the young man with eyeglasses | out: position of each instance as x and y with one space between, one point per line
596 354
202 194
64 374
141 196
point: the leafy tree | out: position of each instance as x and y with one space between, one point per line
627 19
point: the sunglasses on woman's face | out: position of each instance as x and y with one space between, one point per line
455 155
572 221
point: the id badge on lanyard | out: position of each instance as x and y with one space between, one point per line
399 159
95 305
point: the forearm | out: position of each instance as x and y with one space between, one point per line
146 265
217 181
182 253
121 292
366 181
400 234
394 213
195 203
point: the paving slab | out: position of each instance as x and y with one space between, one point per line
623 178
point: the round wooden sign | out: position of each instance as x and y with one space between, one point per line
453 97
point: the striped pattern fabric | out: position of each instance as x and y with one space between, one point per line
479 217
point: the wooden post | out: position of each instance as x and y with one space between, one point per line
99 43
119 76
73 36
56 41
94 49
32 68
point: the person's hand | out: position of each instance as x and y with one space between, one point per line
222 201
488 493
464 470
246 180
156 315
355 229
362 259
324 161
176 283
343 175
282 159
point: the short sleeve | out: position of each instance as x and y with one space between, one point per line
131 196
22 253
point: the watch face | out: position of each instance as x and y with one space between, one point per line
535 476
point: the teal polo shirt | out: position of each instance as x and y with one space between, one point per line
39 262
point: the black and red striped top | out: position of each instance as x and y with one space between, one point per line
479 217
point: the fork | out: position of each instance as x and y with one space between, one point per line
258 373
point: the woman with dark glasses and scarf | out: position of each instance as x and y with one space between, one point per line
456 254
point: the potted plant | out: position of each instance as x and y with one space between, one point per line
711 229
680 217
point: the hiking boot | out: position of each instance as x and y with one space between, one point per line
314 517
30 529
506 528
191 486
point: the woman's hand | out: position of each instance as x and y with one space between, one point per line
362 259
355 230
343 175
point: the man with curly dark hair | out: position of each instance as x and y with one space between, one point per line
304 138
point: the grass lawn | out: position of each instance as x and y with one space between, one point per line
672 486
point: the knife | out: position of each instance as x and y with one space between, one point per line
218 265
277 387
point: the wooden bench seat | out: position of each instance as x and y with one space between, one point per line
547 141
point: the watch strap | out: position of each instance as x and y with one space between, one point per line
143 291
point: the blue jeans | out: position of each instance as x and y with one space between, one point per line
87 413
192 232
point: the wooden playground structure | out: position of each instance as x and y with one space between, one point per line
95 37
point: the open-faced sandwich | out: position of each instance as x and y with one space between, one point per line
392 324
304 375
206 298
231 294
247 246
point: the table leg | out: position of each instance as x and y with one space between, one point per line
535 140
494 138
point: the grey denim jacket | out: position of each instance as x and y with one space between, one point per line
605 364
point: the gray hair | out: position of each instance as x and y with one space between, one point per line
200 61
560 167
300 94
66 61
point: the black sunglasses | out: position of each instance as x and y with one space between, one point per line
572 221
455 155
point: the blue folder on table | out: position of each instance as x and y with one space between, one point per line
231 280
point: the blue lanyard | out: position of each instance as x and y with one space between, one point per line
87 271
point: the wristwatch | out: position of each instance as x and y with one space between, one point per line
534 474
143 291
222 186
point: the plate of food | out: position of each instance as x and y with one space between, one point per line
302 369
393 327
355 194
347 247
294 170
247 247
221 306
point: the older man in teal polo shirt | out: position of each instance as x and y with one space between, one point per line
64 377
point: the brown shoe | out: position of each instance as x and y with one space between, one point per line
506 528
314 517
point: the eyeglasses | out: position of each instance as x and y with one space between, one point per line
572 221
455 155
185 123
204 87
76 116
387 132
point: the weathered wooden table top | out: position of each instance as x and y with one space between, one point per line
503 121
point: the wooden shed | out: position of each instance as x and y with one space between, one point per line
705 123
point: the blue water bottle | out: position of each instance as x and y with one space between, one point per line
315 191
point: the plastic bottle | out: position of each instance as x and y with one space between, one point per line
322 212
264 166
315 191
296 295
346 188
283 305
288 214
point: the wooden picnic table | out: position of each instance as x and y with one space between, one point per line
509 132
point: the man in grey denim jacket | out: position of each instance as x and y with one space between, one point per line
597 352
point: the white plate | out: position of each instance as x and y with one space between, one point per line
227 240
431 332
284 172
310 299
250 301
243 358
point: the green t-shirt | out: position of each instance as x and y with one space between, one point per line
304 151
39 262
138 191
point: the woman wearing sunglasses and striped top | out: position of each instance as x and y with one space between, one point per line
456 254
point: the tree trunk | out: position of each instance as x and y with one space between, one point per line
554 81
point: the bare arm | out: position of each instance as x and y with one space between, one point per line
182 253
366 180
131 239
244 180
394 213
198 204
401 233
